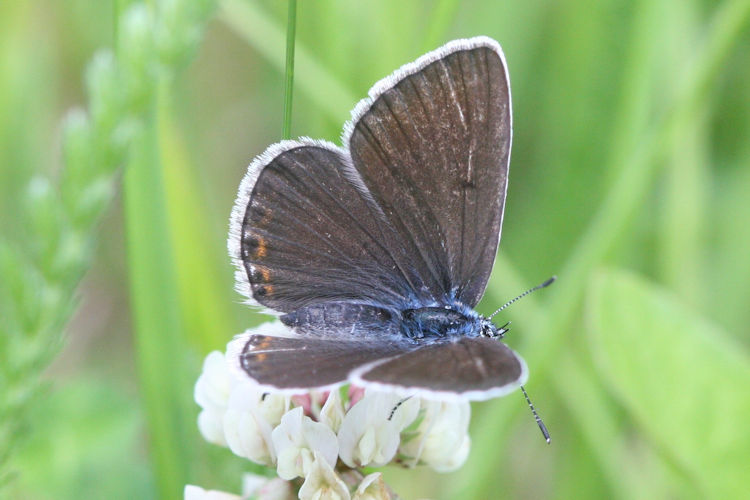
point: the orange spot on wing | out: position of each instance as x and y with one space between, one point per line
265 274
262 249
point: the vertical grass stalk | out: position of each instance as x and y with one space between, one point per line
158 330
291 31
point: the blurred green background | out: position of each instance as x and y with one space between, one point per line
630 180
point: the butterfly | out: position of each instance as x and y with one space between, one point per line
374 254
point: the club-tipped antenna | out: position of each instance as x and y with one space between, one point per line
524 294
538 419
393 411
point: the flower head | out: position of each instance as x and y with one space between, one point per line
323 437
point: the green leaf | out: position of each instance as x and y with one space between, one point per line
684 380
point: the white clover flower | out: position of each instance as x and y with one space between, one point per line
298 440
306 441
321 483
441 439
212 393
249 421
369 434
372 487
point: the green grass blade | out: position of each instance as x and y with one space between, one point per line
203 274
683 203
291 30
158 330
267 37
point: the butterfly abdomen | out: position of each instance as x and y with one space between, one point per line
439 322
337 319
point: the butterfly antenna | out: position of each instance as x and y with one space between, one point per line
524 294
390 417
538 419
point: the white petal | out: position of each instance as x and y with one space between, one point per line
322 483
456 459
296 438
212 387
289 463
441 439
249 421
211 426
367 436
406 412
372 487
332 413
246 438
276 489
321 440
388 440
252 483
366 445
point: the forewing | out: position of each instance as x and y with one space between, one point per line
475 368
304 232
432 144
298 364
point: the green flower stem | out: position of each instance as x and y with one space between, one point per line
291 30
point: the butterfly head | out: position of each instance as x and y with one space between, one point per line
488 329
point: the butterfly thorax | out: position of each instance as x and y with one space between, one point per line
445 321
